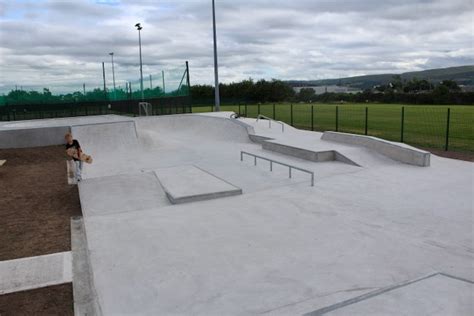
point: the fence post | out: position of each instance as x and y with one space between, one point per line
447 129
246 110
366 119
291 115
274 111
312 117
337 118
258 108
239 110
402 126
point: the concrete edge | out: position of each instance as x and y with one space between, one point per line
377 292
259 139
109 123
203 197
21 284
33 137
307 154
200 197
84 294
405 154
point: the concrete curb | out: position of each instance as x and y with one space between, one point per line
402 153
85 297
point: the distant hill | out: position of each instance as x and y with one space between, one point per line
462 75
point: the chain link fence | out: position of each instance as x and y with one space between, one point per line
448 128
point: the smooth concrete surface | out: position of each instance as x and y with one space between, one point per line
436 295
280 248
396 151
65 121
316 156
84 295
35 272
48 132
33 137
185 184
121 193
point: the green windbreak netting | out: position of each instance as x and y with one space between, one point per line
166 83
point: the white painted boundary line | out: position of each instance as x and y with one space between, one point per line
35 272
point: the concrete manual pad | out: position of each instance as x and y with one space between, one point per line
185 184
35 272
121 193
438 294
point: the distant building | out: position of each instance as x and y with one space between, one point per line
330 89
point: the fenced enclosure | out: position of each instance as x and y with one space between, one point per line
437 127
169 93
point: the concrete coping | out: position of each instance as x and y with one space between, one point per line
396 151
189 183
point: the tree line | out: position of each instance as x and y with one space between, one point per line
412 91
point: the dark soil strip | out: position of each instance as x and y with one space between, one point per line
36 203
452 154
52 300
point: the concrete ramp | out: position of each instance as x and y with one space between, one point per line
306 154
186 184
396 151
106 137
205 128
437 294
121 193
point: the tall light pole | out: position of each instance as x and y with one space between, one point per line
216 73
139 27
113 72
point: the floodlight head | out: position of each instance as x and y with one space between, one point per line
138 26
111 54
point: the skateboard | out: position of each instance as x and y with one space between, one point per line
72 152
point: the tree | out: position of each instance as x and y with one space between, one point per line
306 94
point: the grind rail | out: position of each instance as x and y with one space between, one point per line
260 116
290 167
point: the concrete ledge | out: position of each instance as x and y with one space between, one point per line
395 151
259 139
35 272
85 297
316 156
33 137
186 184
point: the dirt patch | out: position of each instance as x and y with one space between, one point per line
36 203
52 300
452 154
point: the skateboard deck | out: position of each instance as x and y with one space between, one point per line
72 152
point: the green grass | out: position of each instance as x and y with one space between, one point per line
424 125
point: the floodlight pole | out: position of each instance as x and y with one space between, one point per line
217 107
139 27
113 73
103 77
163 78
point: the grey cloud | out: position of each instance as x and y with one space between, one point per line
54 41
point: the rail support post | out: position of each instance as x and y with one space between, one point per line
446 146
337 118
366 119
312 117
402 126
291 115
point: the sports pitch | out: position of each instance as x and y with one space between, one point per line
424 125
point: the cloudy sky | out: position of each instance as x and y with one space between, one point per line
49 42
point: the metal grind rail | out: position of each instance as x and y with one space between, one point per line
260 116
290 167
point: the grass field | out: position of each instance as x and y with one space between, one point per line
423 125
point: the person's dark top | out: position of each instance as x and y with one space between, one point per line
75 144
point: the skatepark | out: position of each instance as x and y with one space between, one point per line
209 214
